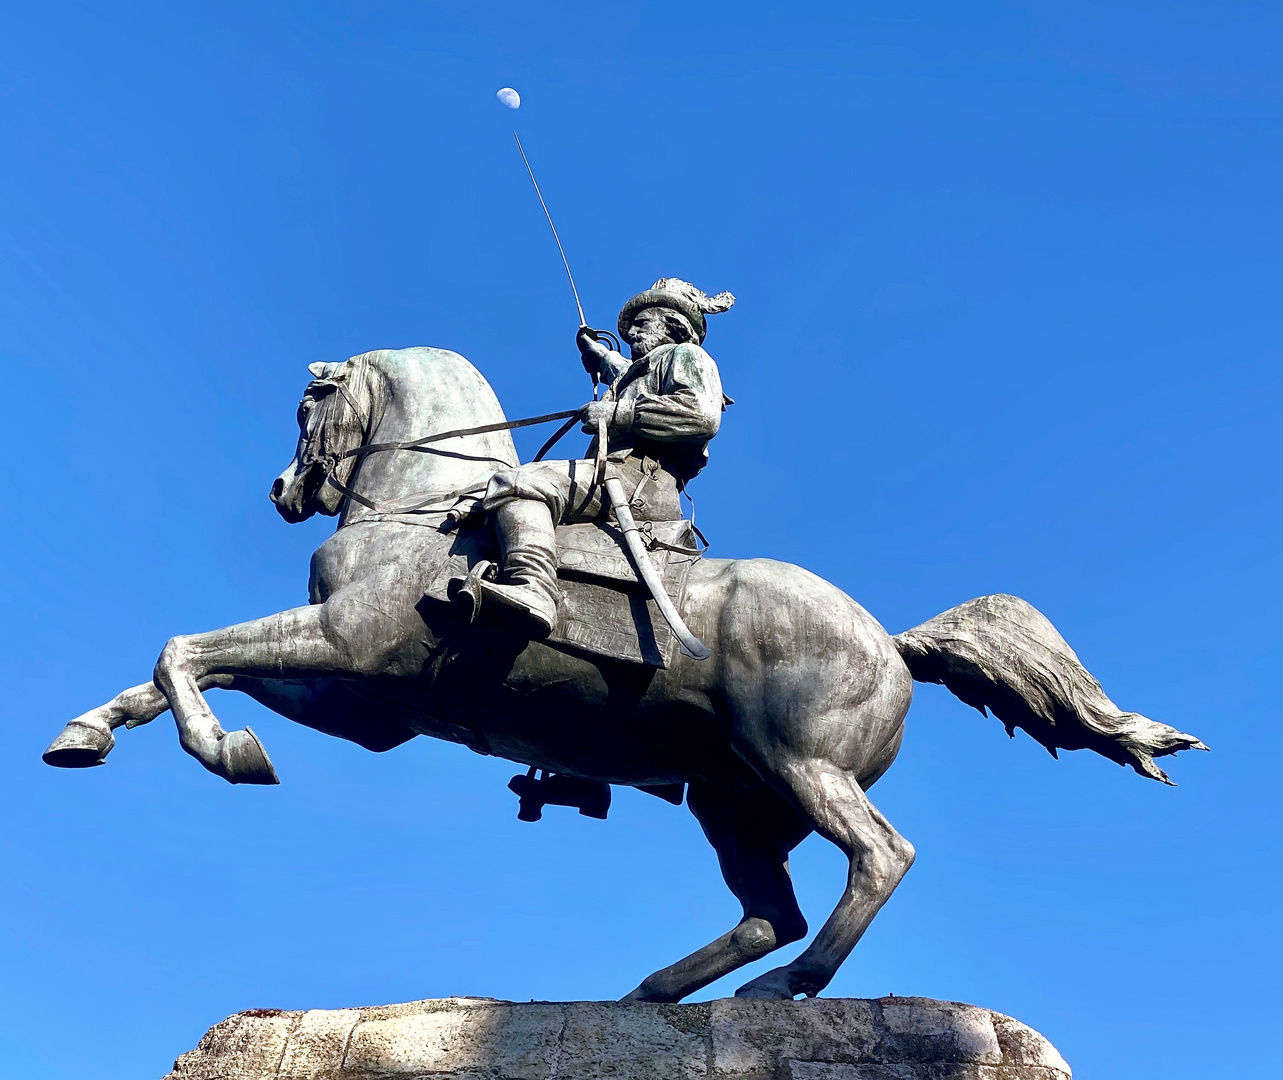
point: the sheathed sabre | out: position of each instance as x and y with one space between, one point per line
636 547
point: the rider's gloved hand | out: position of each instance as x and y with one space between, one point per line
592 352
594 413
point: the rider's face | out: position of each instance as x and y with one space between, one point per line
652 327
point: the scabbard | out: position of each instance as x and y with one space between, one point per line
690 644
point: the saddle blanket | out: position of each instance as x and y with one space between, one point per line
604 608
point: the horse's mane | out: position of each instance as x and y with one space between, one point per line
424 369
419 390
349 380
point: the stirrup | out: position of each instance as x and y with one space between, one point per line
467 597
481 584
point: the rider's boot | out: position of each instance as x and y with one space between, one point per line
528 543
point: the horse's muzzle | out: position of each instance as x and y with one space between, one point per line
288 496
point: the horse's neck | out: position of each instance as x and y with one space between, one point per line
418 392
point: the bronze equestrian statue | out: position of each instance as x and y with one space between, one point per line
797 711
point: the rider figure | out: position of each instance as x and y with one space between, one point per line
660 411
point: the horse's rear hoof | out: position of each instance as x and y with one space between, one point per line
79 746
773 986
243 759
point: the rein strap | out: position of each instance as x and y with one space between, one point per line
503 425
426 498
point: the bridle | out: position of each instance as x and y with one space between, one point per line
425 499
421 500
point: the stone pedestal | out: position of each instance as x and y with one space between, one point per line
731 1039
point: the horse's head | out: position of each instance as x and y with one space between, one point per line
330 424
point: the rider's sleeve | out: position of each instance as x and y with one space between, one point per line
613 366
688 405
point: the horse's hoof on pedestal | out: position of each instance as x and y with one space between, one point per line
243 760
649 995
80 745
773 986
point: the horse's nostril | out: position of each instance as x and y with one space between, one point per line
278 489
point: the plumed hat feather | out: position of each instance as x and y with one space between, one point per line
680 296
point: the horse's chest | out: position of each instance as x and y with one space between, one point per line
389 558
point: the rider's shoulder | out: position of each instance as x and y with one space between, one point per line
687 352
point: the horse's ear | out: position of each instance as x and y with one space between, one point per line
325 369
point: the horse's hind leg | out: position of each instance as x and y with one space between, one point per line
753 833
88 739
879 858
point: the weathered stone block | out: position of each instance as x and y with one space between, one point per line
730 1039
317 1044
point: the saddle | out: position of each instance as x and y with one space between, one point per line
605 609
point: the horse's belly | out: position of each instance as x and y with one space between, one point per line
609 720
652 746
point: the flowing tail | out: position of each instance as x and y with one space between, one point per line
999 653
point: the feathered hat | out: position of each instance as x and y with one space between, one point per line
681 296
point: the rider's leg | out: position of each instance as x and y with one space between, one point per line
528 548
753 832
525 504
352 633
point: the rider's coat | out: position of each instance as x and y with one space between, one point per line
668 405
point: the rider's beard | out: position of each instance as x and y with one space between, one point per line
647 343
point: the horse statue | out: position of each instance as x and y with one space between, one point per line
781 732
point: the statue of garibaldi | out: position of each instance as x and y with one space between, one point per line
781 736
660 412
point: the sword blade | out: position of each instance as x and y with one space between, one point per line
560 249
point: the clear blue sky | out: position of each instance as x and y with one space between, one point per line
1009 321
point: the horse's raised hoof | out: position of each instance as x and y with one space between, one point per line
80 745
773 986
242 759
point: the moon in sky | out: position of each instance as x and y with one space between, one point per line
508 96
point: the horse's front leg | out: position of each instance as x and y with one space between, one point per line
88 739
350 634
